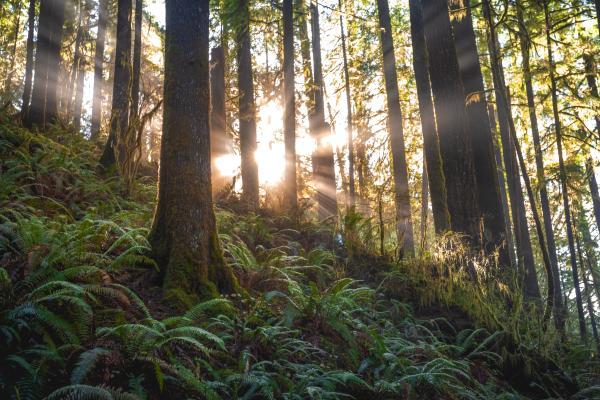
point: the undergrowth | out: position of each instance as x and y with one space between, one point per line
80 317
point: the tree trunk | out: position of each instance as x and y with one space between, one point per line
424 208
75 65
44 108
289 108
488 189
593 184
563 174
247 108
137 60
526 263
351 186
79 83
325 176
98 70
13 52
404 229
184 236
29 59
455 146
119 118
589 304
220 142
539 162
431 146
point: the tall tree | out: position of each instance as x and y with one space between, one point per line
119 118
99 69
220 142
325 175
404 228
184 236
43 109
28 59
247 106
562 170
592 182
137 59
13 51
431 145
76 61
488 189
448 100
289 107
524 43
351 185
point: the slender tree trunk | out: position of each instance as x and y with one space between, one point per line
590 306
488 190
454 140
247 108
539 162
381 222
563 174
404 229
289 110
184 236
593 184
351 186
137 60
29 59
44 107
78 102
119 118
526 261
424 208
75 65
325 176
220 142
431 146
502 184
99 70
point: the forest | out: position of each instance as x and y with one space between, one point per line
299 199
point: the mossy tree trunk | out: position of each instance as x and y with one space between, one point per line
184 236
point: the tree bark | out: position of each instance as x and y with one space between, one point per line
99 70
563 174
75 65
325 175
44 107
351 185
455 144
220 142
247 108
137 60
13 52
289 107
588 296
404 228
488 189
119 118
184 236
431 145
29 59
539 162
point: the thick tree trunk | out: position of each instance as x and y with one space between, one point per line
289 108
563 174
184 236
99 70
28 60
325 175
119 118
404 228
137 60
247 108
351 185
560 315
431 146
44 107
455 144
526 263
488 189
220 142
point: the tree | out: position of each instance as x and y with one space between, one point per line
119 118
220 142
289 107
488 189
247 105
137 60
43 109
184 237
404 228
431 145
448 100
99 69
29 59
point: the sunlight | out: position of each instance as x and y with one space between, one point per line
228 165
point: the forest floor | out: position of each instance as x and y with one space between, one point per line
82 315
